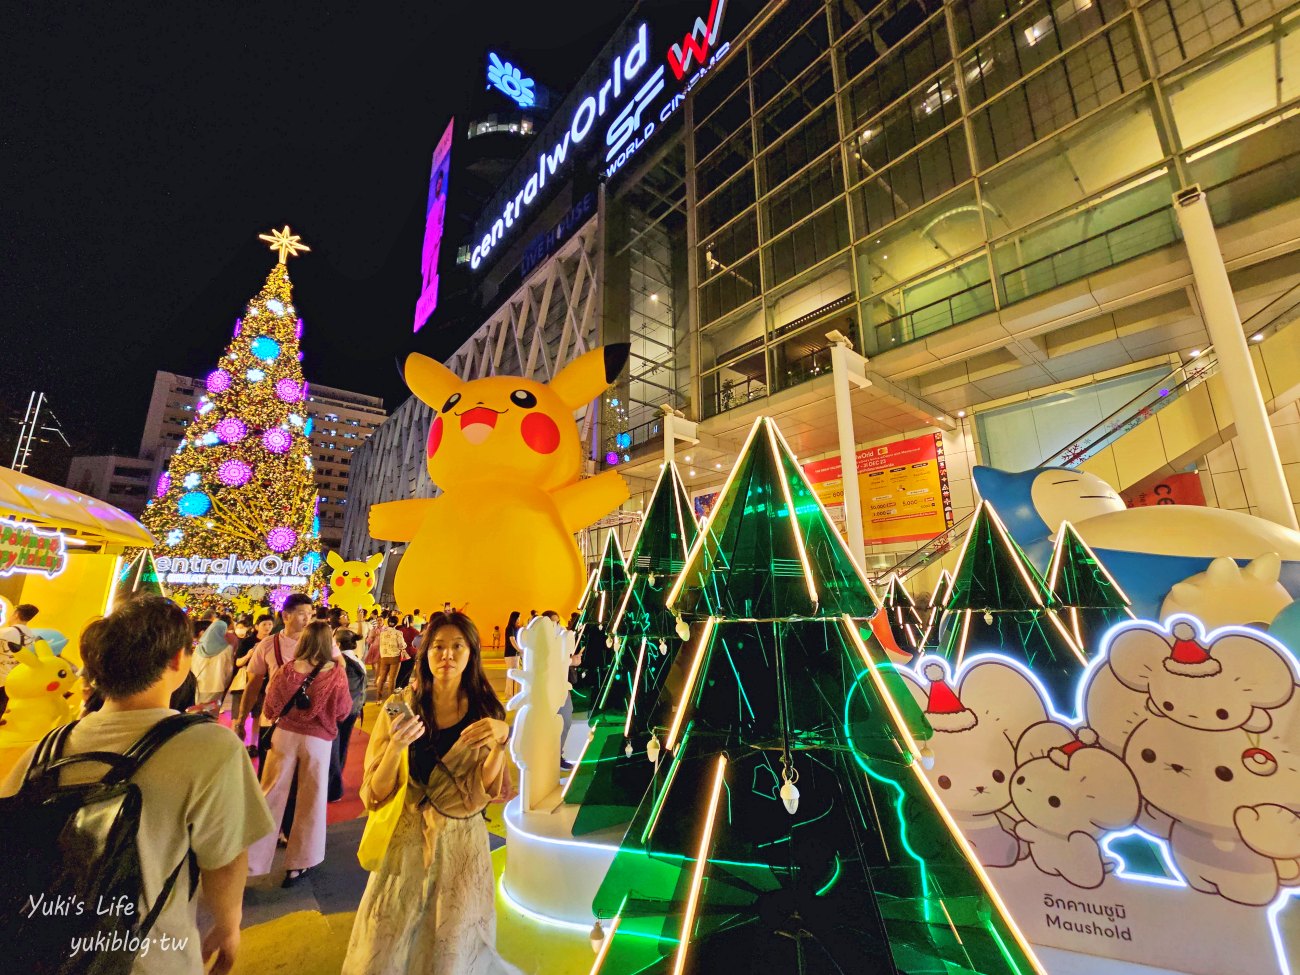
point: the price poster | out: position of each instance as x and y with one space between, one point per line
903 486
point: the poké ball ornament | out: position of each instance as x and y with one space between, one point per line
507 455
1259 761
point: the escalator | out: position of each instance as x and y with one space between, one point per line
1155 398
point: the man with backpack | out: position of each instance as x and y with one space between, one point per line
180 805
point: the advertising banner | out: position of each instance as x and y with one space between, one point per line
434 217
1166 489
903 486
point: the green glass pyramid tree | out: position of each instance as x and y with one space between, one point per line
596 611
998 603
788 828
136 577
934 612
1088 598
900 610
613 773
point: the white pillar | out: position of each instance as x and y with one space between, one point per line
1256 448
845 376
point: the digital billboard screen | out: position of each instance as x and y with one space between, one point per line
434 218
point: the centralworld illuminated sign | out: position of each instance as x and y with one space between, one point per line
24 548
632 98
231 570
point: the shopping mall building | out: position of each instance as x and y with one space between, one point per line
979 195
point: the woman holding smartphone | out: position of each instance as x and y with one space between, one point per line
429 907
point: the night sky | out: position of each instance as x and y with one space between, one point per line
145 146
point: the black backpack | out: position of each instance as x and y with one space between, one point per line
73 847
356 683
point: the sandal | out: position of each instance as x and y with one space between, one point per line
295 877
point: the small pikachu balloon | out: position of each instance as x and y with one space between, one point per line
507 455
351 583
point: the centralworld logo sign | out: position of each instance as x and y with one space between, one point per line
628 95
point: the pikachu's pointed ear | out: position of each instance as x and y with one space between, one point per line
429 379
589 375
372 563
334 559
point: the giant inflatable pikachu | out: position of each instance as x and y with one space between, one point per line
506 453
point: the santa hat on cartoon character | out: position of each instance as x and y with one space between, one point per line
1187 657
1083 738
944 709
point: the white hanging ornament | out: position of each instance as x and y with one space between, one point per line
651 578
988 617
627 749
663 647
597 936
789 793
609 641
683 629
927 757
652 749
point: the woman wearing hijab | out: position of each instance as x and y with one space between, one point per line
214 662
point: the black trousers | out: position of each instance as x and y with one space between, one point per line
404 670
339 758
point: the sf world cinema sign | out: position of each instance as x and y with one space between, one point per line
631 100
230 570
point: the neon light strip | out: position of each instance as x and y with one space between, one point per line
573 774
844 545
112 590
636 542
622 607
679 491
685 698
701 858
1065 634
663 793
604 948
955 830
586 590
631 697
704 534
965 632
600 613
794 517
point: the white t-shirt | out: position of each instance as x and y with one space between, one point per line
198 793
19 633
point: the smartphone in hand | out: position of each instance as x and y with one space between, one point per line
396 707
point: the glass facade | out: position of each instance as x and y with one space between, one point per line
893 169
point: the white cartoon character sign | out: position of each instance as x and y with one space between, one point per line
1173 791
972 754
1067 792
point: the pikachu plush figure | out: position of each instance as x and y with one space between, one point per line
506 453
351 583
44 693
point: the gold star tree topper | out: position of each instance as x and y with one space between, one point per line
284 242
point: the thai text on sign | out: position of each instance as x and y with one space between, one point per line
903 488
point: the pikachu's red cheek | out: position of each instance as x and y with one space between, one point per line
540 433
339 582
435 435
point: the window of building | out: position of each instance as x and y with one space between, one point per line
1093 74
789 62
812 188
723 205
919 57
913 181
793 105
808 244
809 140
1180 30
725 247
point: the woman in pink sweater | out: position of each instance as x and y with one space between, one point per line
307 698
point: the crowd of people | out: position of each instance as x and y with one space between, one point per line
295 683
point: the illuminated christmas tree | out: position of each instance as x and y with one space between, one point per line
780 834
240 487
596 611
999 603
613 773
1089 599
